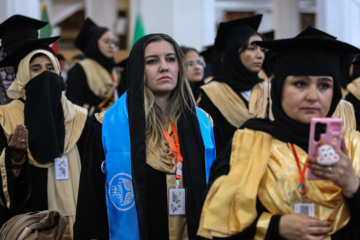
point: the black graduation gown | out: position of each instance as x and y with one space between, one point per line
91 213
77 88
29 189
223 130
221 167
195 88
356 103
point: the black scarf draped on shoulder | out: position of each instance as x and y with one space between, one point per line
92 51
283 127
190 138
234 73
44 117
344 73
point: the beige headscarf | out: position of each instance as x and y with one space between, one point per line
17 88
62 195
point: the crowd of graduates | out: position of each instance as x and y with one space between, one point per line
182 145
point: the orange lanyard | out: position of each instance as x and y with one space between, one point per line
301 172
114 80
175 148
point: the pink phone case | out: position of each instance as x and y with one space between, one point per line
328 130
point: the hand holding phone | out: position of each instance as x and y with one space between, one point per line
327 130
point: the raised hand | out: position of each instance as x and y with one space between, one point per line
18 143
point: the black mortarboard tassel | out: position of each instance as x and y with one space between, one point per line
312 53
228 31
17 29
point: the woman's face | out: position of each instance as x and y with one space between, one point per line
108 44
194 66
305 97
253 56
40 64
161 68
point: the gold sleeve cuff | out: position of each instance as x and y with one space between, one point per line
262 225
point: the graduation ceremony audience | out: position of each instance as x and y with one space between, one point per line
171 147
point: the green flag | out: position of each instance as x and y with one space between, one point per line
139 29
45 32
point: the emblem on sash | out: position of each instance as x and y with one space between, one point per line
121 192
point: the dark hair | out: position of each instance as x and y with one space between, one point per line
36 55
185 50
243 42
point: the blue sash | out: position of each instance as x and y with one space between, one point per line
120 201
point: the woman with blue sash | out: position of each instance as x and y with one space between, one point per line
158 149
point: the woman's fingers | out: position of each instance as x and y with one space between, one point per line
317 227
25 136
19 138
300 226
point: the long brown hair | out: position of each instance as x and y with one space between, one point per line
181 99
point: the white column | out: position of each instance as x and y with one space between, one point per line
266 24
286 18
30 8
340 18
194 22
158 16
103 13
189 22
5 9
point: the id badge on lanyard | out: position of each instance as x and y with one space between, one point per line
61 168
304 207
177 195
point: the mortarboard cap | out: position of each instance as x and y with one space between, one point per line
88 31
312 52
234 29
207 49
17 29
270 35
14 58
208 53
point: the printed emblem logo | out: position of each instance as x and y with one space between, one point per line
121 192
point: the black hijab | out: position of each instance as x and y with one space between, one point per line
190 138
356 68
44 117
232 70
344 74
311 53
87 41
92 50
283 127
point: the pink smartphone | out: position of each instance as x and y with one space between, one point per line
328 130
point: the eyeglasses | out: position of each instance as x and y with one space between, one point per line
109 41
192 63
